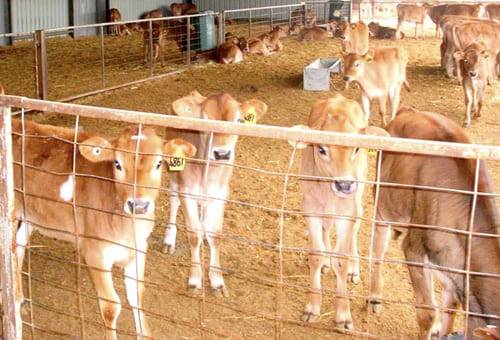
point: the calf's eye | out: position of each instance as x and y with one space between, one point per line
322 150
118 166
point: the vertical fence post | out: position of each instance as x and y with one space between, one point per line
12 324
290 17
103 77
41 68
220 29
188 42
249 24
271 18
223 18
150 25
325 12
304 14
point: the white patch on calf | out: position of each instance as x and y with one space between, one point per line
66 190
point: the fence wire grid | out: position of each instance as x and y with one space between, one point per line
271 247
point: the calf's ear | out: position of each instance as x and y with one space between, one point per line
376 131
299 145
189 106
97 149
178 147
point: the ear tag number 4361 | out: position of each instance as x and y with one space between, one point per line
177 162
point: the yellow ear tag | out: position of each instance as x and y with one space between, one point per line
372 152
177 162
250 116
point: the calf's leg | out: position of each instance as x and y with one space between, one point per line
316 257
344 232
380 245
134 285
195 236
171 231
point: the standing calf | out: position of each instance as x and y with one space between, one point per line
340 196
474 68
112 216
355 37
427 207
203 193
114 15
380 77
412 13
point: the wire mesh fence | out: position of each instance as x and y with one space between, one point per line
265 254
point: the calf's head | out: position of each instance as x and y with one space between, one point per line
218 107
135 158
355 65
472 59
340 163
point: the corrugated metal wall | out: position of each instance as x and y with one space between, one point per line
84 13
132 9
321 9
29 15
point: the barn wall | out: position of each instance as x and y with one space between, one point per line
29 15
132 9
84 13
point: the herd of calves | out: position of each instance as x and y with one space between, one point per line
110 204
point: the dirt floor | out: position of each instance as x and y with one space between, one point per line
251 267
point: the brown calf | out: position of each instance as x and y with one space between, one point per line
466 33
380 76
427 207
340 196
201 192
157 45
436 13
178 9
114 15
273 38
314 34
382 32
474 68
113 217
412 13
355 37
229 52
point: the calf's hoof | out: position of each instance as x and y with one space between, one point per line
168 249
309 317
220 291
375 306
344 325
466 124
193 289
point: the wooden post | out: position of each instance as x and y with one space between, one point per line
250 24
271 18
42 71
11 302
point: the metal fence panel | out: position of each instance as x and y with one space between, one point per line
29 15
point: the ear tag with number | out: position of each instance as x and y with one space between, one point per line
250 117
177 162
372 152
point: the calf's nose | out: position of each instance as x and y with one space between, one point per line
473 74
344 186
138 206
346 78
222 155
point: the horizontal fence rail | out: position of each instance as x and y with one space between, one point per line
424 147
